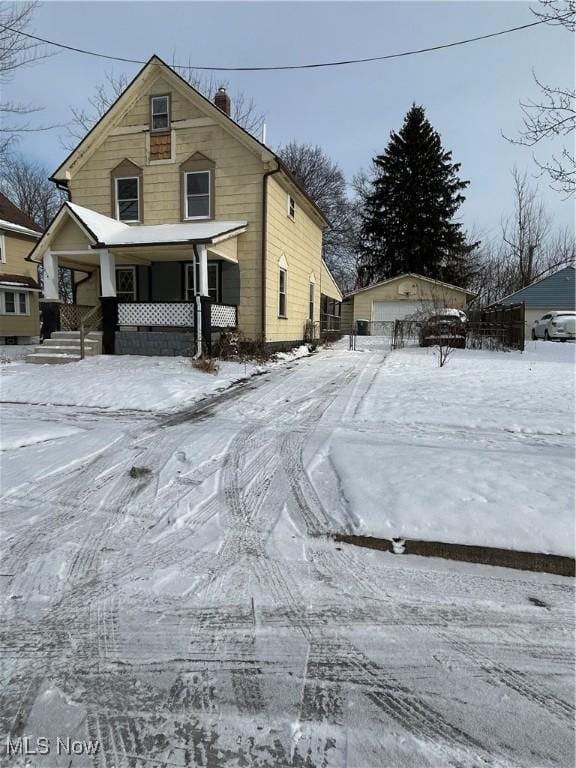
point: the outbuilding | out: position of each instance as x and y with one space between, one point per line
400 297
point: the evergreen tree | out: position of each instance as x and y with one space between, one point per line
407 224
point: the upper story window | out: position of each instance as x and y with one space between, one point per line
197 195
128 198
291 207
2 248
159 113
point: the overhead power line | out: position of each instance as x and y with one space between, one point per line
276 68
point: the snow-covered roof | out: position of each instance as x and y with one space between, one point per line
111 233
11 227
413 275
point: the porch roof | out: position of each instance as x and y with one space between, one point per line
104 232
108 232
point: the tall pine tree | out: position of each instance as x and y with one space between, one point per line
408 220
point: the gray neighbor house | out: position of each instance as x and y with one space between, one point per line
549 294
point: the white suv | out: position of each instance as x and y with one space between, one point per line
555 326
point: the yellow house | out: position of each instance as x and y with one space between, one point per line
180 223
400 297
19 289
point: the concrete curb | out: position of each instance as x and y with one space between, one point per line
504 558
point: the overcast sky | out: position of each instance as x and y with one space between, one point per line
471 93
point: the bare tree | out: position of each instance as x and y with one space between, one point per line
26 184
324 182
244 110
16 51
527 249
553 114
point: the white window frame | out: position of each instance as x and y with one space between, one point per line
17 294
2 248
283 293
190 290
186 195
117 201
291 208
311 301
166 128
126 267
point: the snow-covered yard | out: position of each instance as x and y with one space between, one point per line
478 452
123 382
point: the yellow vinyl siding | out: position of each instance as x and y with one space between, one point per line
22 325
69 237
17 247
237 178
300 242
408 289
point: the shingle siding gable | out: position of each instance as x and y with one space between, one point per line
558 291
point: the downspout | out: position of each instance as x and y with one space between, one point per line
198 306
265 242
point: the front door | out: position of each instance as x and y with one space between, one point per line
126 283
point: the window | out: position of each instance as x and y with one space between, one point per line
213 281
160 113
126 283
282 278
291 207
197 192
311 302
12 303
2 248
127 198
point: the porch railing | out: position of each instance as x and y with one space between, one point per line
173 314
156 313
71 316
224 315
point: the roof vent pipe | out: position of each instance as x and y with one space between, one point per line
222 100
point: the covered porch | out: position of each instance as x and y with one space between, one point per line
160 289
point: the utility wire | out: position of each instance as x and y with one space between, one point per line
287 66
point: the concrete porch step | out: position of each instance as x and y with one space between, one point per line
51 358
65 349
71 342
95 335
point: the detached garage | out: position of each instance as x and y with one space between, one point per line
400 297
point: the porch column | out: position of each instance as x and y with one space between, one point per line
107 274
50 277
203 269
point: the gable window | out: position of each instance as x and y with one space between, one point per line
127 198
2 248
197 194
160 113
282 283
291 207
12 303
213 281
311 302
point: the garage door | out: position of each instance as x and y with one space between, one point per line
383 311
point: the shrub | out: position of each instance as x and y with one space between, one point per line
206 365
233 345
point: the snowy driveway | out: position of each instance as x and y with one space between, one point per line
191 615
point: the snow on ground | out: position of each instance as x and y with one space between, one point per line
18 434
199 614
127 382
480 451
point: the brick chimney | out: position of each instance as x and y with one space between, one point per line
222 100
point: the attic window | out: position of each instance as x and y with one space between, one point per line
160 113
291 207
